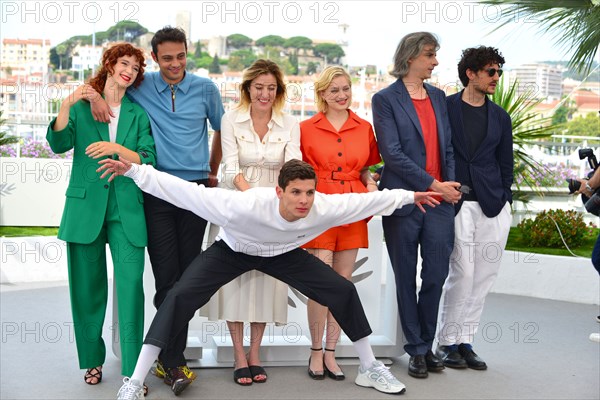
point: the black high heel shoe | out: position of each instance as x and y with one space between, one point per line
316 375
338 376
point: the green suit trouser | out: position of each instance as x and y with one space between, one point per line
88 284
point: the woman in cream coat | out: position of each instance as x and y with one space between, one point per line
257 139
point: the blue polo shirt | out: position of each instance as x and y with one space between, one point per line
180 127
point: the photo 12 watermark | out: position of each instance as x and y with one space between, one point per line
293 12
492 332
55 12
458 12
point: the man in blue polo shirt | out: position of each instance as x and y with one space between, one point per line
179 106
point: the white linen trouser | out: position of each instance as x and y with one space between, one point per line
474 264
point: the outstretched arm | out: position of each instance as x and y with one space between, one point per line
351 207
214 204
113 168
426 198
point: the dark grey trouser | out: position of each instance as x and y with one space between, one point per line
220 264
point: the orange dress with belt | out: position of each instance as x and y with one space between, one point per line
338 158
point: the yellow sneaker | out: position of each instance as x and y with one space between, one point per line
159 371
188 372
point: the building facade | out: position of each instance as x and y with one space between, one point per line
23 57
542 81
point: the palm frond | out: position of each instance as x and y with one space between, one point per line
360 263
357 278
527 129
4 138
574 25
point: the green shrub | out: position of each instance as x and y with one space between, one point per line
542 231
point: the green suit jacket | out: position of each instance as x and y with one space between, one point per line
87 194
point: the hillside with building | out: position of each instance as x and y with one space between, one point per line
36 74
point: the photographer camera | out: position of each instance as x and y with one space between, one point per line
588 187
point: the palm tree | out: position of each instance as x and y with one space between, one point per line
61 50
573 24
527 129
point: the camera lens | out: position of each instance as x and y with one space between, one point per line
574 185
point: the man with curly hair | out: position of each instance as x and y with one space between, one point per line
483 154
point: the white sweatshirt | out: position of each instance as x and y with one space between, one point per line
250 221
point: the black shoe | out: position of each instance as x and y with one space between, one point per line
417 366
434 364
451 357
472 359
242 373
337 375
316 375
177 379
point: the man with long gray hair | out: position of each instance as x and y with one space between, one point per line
413 132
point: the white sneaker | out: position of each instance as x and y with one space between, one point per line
595 337
131 390
380 378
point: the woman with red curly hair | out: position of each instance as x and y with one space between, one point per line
98 212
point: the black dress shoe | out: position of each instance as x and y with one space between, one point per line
472 359
417 366
451 357
434 364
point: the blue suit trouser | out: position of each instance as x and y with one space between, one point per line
434 233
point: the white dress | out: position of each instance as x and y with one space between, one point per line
254 296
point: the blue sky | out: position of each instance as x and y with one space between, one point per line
375 27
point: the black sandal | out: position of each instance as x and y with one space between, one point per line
242 373
92 373
316 375
257 370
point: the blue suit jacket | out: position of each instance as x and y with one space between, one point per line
400 139
490 169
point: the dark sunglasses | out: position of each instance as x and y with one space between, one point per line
492 71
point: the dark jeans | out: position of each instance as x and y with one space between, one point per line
220 264
596 255
174 239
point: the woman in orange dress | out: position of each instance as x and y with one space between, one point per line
340 146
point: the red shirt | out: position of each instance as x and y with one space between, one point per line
430 136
